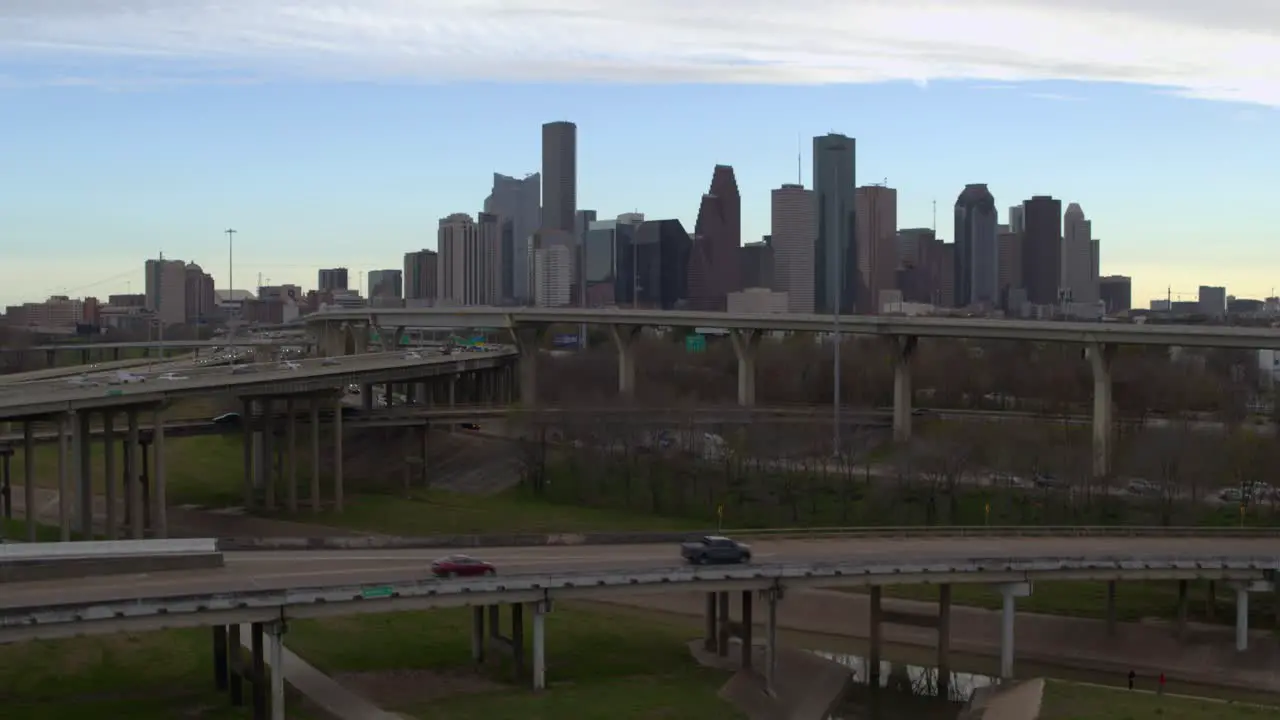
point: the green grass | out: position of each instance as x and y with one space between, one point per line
432 512
1134 600
151 676
619 666
16 529
1071 701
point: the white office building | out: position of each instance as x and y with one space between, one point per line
553 273
468 269
794 230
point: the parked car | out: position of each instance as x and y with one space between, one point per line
461 566
230 418
715 549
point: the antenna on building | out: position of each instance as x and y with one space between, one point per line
799 152
935 218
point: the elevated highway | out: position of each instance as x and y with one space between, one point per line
339 329
268 589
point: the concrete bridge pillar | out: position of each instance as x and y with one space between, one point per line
747 626
159 492
1009 611
338 489
944 641
624 339
540 610
709 628
315 455
133 476
722 626
246 449
360 338
904 348
29 478
1100 358
746 343
477 634
275 659
772 595
875 638
528 340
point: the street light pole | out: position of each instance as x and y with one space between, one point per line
838 236
231 292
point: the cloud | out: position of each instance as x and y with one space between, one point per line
1228 50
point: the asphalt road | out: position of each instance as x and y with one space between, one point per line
279 570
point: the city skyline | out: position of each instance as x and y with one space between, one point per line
329 170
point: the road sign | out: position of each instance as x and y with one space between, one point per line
695 343
377 592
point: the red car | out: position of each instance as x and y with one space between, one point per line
461 566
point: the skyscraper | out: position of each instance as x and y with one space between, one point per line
167 290
876 212
835 248
518 202
559 176
201 304
1077 256
421 286
1016 219
332 279
977 254
385 284
1042 249
653 268
717 235
467 271
793 226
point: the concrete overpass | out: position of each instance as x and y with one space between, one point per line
316 384
268 589
337 331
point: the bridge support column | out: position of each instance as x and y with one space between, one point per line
259 672
904 350
528 340
235 666
266 453
477 634
109 472
771 640
360 338
624 340
748 620
220 658
1111 608
540 610
29 478
722 626
159 485
944 641
84 475
875 622
337 455
746 343
366 397
1100 357
1183 601
275 648
315 455
64 477
133 477
517 639
709 626
1009 611
291 455
246 449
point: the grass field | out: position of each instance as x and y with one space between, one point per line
1134 600
16 529
1073 701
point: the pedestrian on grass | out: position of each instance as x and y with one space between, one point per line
1132 676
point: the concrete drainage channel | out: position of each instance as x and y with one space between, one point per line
28 562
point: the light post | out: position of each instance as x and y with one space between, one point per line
231 294
838 236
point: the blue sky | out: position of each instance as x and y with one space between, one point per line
330 137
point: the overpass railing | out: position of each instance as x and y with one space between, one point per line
14 552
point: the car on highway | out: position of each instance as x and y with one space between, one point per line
126 378
461 566
171 376
469 426
290 365
243 369
230 418
715 549
411 355
330 362
82 381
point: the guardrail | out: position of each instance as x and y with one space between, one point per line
232 544
105 548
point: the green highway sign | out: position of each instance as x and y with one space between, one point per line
695 343
377 592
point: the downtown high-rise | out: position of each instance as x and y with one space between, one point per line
876 213
717 238
559 176
1042 249
518 204
835 279
977 260
793 230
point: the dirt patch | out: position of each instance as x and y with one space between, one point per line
398 688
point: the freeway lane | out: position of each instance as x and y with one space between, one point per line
300 569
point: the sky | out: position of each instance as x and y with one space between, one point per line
335 133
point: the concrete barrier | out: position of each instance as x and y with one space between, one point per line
104 548
638 538
68 568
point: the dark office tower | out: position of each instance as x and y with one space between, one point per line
420 282
518 202
1042 249
977 255
835 262
653 266
717 237
559 176
332 279
755 262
